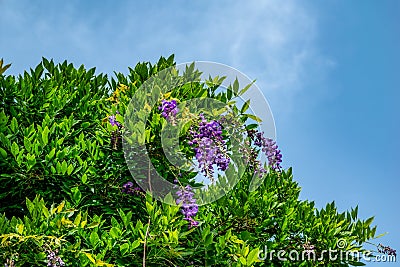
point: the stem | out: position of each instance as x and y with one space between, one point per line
145 243
148 222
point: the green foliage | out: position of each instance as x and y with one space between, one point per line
56 147
3 68
53 139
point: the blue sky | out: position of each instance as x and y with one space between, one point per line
329 69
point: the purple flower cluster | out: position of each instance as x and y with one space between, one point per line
169 110
115 135
189 207
53 260
386 250
129 189
269 147
209 146
113 121
250 155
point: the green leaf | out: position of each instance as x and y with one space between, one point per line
368 222
58 167
124 248
70 169
31 161
149 208
84 178
20 228
3 68
3 119
244 90
84 220
381 235
64 167
85 124
51 154
252 257
14 149
251 126
115 232
135 244
14 125
122 215
45 135
246 235
205 232
3 153
94 238
208 240
354 212
20 158
229 93
29 205
119 118
90 257
45 211
245 250
235 87
27 144
246 106
253 117
76 195
114 222
78 219
81 137
92 225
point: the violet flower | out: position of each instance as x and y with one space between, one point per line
129 189
189 208
169 110
209 147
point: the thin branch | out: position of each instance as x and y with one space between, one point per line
145 243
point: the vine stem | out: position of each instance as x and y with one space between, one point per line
145 243
148 222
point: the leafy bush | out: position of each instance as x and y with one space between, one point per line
67 190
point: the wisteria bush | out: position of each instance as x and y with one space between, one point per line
68 197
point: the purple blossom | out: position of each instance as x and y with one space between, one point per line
209 146
53 260
386 250
269 147
169 110
129 189
189 208
113 121
250 156
259 169
115 135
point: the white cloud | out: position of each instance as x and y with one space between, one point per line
272 41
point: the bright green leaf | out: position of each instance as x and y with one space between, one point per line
124 248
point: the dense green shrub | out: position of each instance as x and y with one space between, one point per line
63 171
